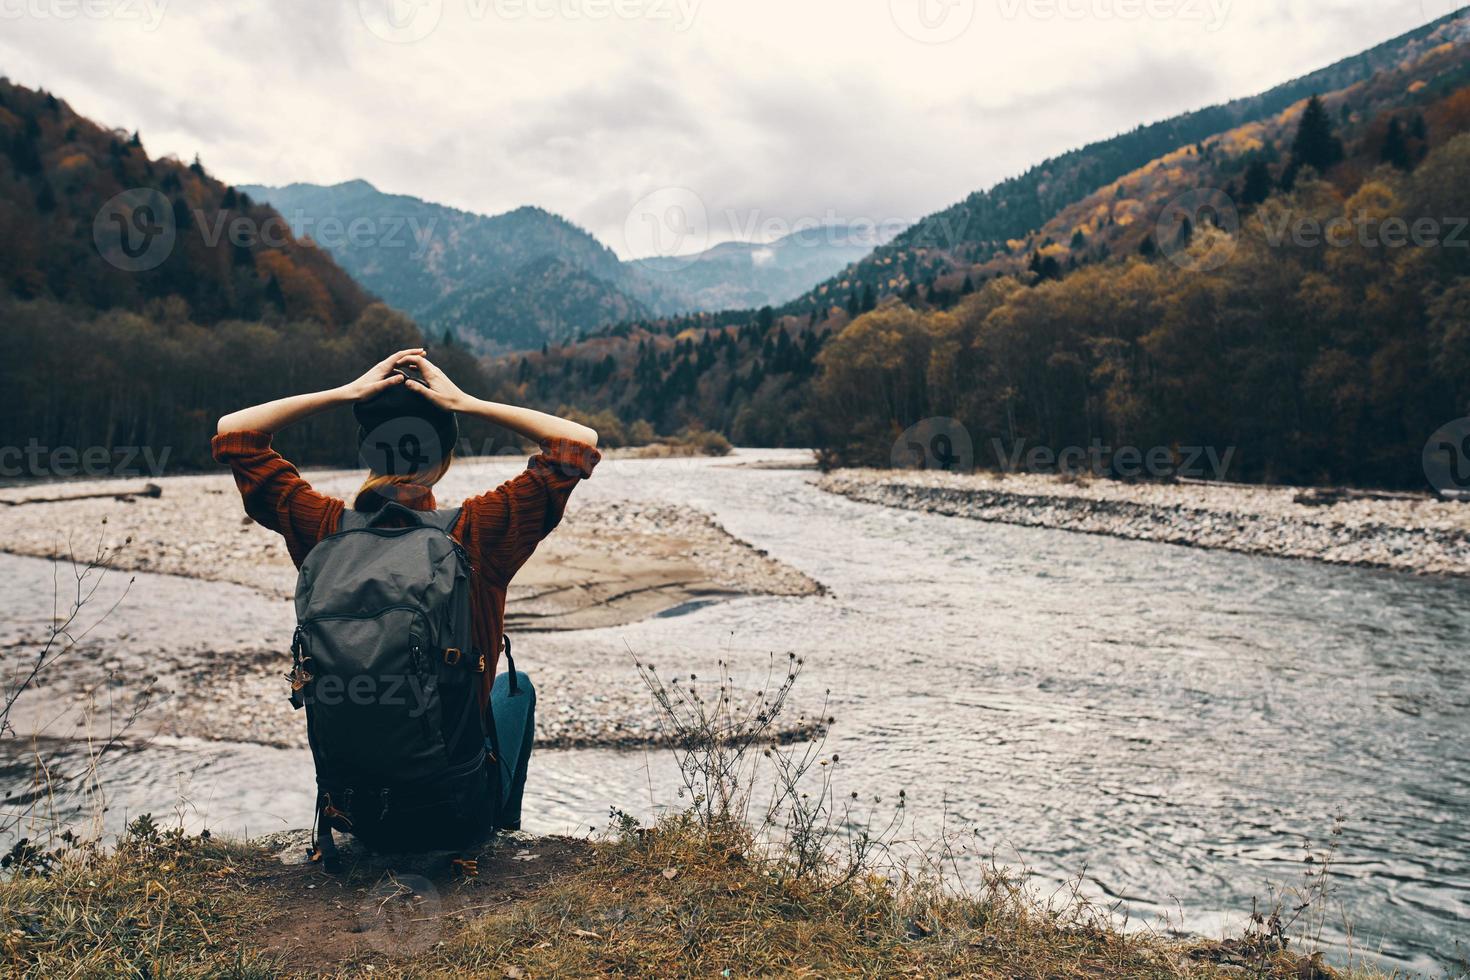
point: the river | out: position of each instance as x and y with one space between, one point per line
1174 722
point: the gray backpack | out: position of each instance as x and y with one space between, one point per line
384 664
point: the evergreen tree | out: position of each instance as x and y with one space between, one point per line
1257 183
1395 147
1148 249
1186 232
274 294
1315 146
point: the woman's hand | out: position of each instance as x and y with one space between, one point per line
274 416
436 386
379 376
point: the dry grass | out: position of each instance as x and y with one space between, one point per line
675 900
159 905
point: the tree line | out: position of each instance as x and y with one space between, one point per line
1324 342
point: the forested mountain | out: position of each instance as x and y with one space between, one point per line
509 282
175 232
745 275
986 222
1109 318
141 299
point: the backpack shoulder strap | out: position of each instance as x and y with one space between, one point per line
444 520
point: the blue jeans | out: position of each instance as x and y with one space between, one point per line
512 732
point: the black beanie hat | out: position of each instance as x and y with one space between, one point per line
400 432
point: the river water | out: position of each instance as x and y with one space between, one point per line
1173 722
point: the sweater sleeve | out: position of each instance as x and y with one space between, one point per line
275 495
502 528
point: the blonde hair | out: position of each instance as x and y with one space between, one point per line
371 496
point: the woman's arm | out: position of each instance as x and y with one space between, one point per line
536 426
274 416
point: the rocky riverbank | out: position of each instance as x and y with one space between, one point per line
1397 532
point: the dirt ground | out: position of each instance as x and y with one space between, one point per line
382 909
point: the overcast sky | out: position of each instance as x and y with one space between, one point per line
764 114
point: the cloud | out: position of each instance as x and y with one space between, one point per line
774 114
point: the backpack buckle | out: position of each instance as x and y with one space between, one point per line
453 656
480 665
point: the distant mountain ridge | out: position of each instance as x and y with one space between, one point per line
747 275
518 280
511 281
